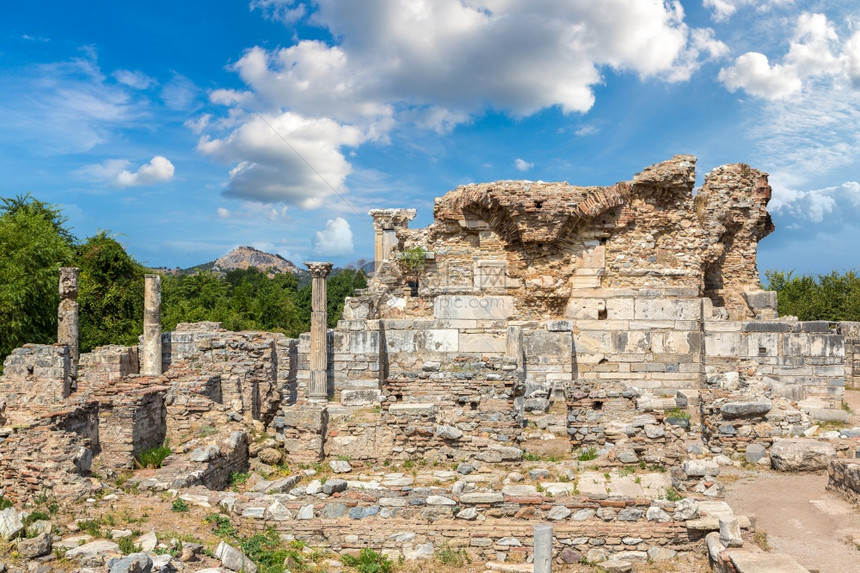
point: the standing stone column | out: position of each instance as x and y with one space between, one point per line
67 317
318 386
543 548
151 359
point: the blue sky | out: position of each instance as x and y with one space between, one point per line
191 128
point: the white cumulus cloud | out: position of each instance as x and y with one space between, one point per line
522 164
159 169
335 239
426 65
813 53
722 10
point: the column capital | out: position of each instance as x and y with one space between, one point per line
319 270
391 218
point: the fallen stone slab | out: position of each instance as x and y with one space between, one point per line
747 562
232 559
92 549
35 546
10 524
134 563
745 409
800 455
510 567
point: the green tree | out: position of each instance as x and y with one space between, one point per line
34 244
831 297
110 294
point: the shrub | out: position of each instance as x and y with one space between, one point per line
368 561
4 503
179 506
154 457
587 454
452 557
221 525
127 545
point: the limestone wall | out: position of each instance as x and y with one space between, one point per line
106 364
132 419
255 367
36 374
805 359
851 332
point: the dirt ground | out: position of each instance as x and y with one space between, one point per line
819 529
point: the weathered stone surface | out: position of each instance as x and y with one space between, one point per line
700 468
133 563
333 486
558 512
232 559
748 562
800 455
35 546
745 409
10 524
98 548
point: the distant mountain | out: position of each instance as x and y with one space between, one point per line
246 257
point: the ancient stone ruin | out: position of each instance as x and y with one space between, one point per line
531 323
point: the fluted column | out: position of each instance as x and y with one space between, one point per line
318 386
67 316
151 358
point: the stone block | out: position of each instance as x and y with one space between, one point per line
400 340
745 409
438 340
585 309
465 307
800 455
666 309
361 397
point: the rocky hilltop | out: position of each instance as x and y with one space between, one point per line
246 257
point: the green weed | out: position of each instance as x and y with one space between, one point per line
154 457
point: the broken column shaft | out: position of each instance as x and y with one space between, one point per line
318 385
67 316
151 359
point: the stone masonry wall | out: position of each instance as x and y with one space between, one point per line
36 374
50 454
132 419
255 367
106 364
851 332
805 359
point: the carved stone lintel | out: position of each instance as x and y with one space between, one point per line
387 219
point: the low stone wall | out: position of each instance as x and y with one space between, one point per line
806 359
731 423
36 374
189 401
106 364
489 525
132 419
209 464
843 477
254 366
51 454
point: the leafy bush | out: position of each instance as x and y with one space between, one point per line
368 561
127 545
833 297
154 457
270 554
221 525
179 506
4 503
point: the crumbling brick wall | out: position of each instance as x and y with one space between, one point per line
51 454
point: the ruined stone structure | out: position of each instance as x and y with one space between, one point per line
529 320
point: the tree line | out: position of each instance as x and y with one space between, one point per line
35 242
834 297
